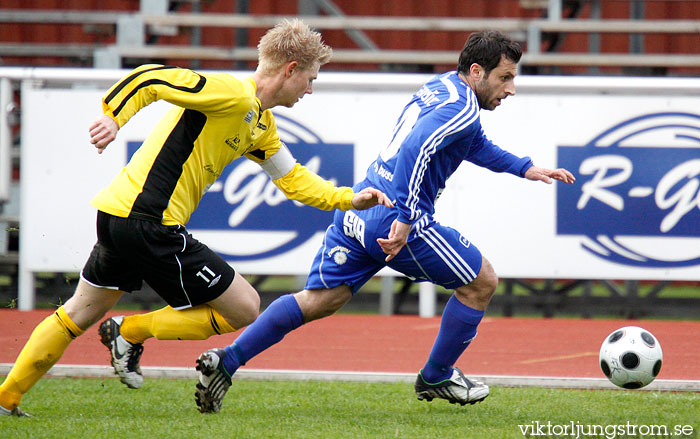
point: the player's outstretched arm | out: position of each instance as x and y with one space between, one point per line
102 132
370 197
546 175
307 187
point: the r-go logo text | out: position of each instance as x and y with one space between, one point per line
636 200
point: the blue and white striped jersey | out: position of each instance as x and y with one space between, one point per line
438 129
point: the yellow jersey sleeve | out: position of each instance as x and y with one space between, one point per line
304 186
299 183
182 87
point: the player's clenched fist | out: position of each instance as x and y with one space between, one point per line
102 132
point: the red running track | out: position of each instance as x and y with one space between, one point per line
370 343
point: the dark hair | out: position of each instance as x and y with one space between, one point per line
486 48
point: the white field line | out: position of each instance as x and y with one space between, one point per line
76 370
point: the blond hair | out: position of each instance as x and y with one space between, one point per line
291 41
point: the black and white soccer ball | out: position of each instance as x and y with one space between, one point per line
631 357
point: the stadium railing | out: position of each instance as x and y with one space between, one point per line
131 31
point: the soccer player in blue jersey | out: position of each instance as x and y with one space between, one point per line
438 130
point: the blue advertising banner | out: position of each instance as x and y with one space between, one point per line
637 178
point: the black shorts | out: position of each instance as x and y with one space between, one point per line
182 270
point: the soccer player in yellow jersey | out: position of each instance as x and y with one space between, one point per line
216 118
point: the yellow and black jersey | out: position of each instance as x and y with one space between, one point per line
216 119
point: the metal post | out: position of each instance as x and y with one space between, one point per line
508 298
632 300
427 296
5 139
196 36
594 37
554 10
386 296
308 7
5 157
25 294
534 38
160 7
107 58
130 31
637 39
241 34
359 37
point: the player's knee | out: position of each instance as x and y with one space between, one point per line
487 289
478 292
487 280
239 305
244 317
316 304
490 284
246 310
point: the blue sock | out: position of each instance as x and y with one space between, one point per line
457 329
281 317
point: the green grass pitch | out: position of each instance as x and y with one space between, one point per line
103 408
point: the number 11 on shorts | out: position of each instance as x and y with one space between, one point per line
208 276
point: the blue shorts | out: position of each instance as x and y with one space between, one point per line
350 254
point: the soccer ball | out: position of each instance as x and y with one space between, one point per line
631 357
